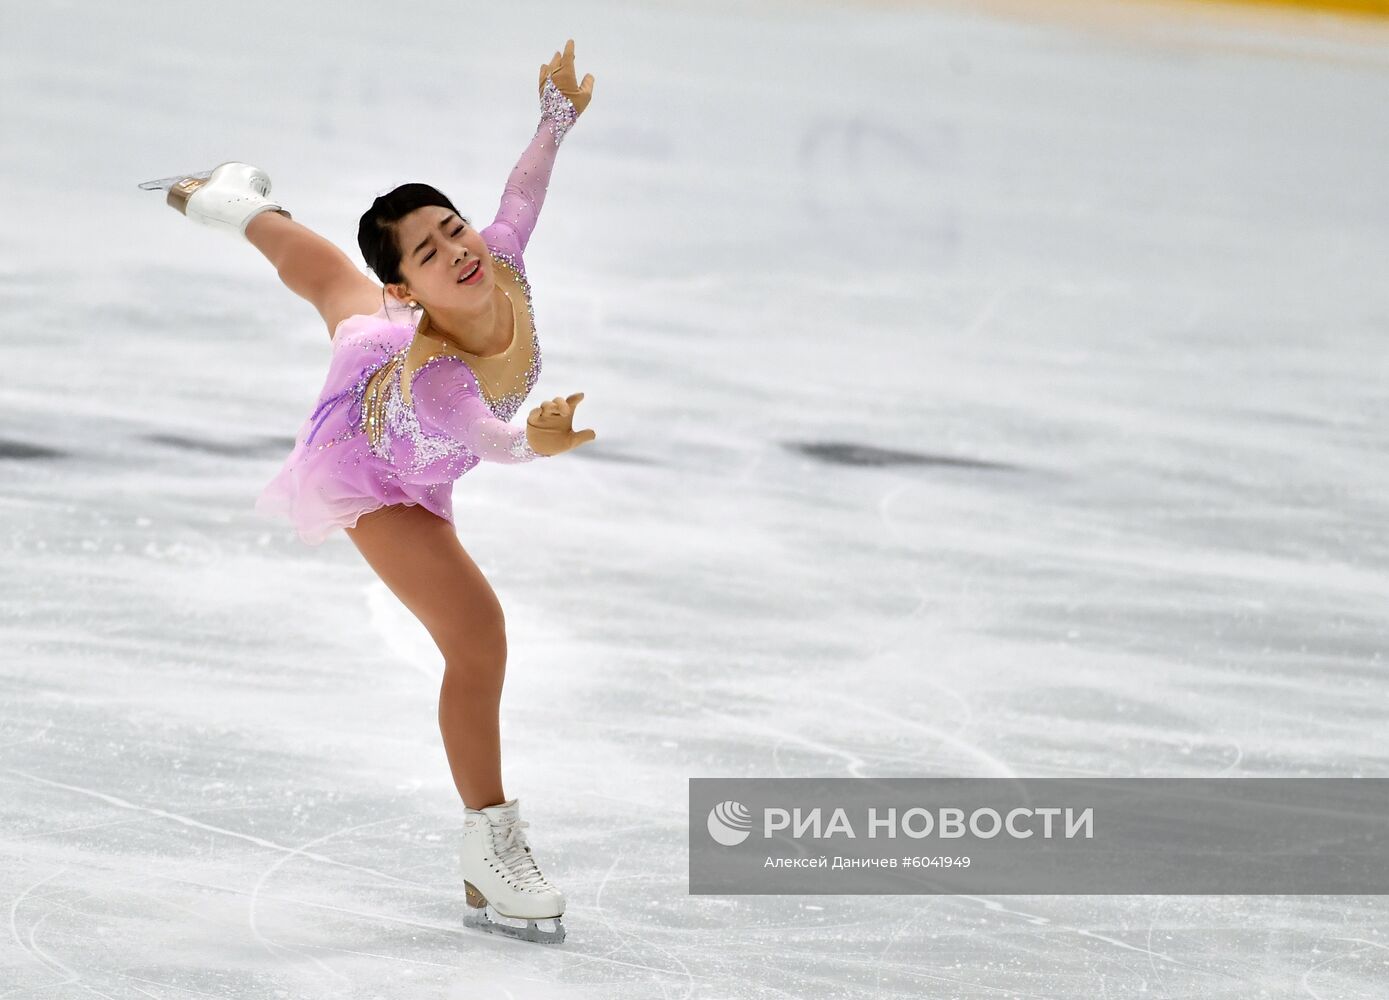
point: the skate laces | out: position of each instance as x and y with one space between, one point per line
513 851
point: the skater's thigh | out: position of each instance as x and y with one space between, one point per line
418 556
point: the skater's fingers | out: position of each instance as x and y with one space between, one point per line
574 399
583 436
587 85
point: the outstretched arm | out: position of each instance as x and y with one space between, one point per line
562 100
448 402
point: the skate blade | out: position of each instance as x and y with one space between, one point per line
164 183
485 918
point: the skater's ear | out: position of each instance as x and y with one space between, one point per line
400 293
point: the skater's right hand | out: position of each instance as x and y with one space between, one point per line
550 426
560 69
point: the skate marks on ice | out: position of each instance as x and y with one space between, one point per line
629 943
341 928
888 166
189 821
867 763
120 892
28 941
302 851
911 970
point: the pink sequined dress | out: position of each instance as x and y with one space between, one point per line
364 445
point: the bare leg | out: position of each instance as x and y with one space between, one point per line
419 557
307 263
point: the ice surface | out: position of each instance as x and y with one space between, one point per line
977 394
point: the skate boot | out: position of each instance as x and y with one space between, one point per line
227 197
507 893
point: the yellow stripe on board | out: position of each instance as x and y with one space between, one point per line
1357 21
1369 8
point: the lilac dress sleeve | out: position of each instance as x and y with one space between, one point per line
447 399
448 402
525 187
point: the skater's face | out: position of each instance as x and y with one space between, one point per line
436 248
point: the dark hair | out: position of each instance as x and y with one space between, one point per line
376 233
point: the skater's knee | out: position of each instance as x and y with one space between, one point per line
474 675
479 631
475 652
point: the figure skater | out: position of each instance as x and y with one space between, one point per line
412 401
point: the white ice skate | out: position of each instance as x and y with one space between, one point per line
227 197
506 891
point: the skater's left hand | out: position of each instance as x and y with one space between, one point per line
560 69
550 426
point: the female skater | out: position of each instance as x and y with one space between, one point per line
411 403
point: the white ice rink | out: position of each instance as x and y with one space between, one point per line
977 394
